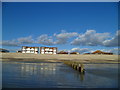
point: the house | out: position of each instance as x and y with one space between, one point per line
100 52
27 49
19 51
74 53
62 52
41 50
48 50
86 53
3 50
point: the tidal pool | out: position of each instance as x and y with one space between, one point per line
58 75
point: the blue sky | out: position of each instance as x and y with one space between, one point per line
66 25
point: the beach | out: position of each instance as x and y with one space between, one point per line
60 57
45 71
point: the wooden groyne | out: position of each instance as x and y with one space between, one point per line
75 65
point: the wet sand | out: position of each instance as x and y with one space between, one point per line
60 57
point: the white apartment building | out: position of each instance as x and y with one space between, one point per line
26 49
48 50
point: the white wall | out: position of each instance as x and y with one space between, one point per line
29 50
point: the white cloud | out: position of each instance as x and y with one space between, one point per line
90 38
9 43
18 42
63 37
113 50
25 40
90 50
80 50
60 38
114 41
45 39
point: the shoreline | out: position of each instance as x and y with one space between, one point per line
60 58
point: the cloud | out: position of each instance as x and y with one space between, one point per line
9 43
17 42
90 38
80 50
113 50
63 37
25 40
90 50
45 40
114 41
60 38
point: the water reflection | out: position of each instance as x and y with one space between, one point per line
82 76
34 68
57 75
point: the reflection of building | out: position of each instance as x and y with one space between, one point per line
48 50
45 69
26 49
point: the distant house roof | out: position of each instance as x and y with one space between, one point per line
48 47
29 47
62 52
3 50
100 52
74 53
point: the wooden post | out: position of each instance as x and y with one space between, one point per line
72 65
81 68
75 66
78 67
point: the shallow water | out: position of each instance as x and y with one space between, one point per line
58 75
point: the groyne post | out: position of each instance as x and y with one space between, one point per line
75 65
81 68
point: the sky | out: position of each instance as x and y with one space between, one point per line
70 26
60 0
